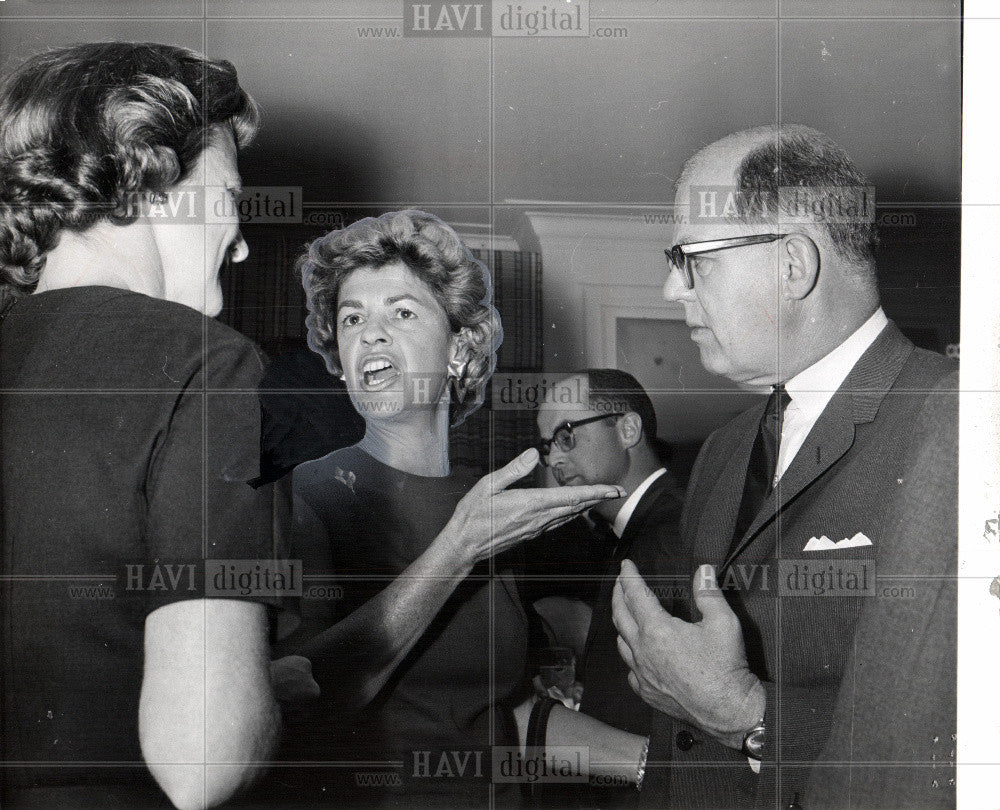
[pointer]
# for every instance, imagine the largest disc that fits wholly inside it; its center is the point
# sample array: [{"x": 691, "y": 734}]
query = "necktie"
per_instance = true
[{"x": 763, "y": 462}]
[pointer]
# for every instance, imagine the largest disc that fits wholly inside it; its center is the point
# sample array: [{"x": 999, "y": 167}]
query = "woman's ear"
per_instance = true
[{"x": 800, "y": 260}]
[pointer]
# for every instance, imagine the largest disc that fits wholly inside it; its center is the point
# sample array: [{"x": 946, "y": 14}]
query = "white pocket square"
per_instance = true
[{"x": 824, "y": 543}]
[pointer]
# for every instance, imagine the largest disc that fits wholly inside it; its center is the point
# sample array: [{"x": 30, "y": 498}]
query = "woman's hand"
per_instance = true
[
  {"x": 292, "y": 680},
  {"x": 489, "y": 519}
]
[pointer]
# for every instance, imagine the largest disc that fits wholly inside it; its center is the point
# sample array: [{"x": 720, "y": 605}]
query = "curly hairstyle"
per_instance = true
[
  {"x": 85, "y": 129},
  {"x": 434, "y": 253}
]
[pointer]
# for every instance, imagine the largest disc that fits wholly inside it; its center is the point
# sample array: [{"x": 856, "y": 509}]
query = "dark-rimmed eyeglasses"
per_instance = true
[
  {"x": 563, "y": 436},
  {"x": 679, "y": 256}
]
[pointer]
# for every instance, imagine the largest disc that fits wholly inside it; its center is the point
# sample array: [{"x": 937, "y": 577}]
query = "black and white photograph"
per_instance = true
[{"x": 552, "y": 404}]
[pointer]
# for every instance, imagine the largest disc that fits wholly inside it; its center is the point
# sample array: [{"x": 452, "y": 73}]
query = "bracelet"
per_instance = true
[
  {"x": 640, "y": 772},
  {"x": 537, "y": 723},
  {"x": 534, "y": 747}
]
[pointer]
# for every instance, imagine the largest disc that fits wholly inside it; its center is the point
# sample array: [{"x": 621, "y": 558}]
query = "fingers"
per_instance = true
[
  {"x": 622, "y": 617},
  {"x": 555, "y": 524},
  {"x": 626, "y": 653},
  {"x": 708, "y": 596},
  {"x": 633, "y": 681},
  {"x": 641, "y": 601},
  {"x": 575, "y": 499},
  {"x": 512, "y": 472},
  {"x": 298, "y": 662}
]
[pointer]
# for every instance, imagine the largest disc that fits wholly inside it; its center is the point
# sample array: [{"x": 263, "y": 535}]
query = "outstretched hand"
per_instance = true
[
  {"x": 491, "y": 519},
  {"x": 696, "y": 672}
]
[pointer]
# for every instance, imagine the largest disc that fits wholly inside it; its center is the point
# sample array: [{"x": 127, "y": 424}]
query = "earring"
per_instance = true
[
  {"x": 343, "y": 377},
  {"x": 456, "y": 374}
]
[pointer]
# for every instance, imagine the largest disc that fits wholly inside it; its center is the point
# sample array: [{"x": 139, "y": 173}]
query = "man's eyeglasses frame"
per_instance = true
[
  {"x": 678, "y": 255},
  {"x": 567, "y": 428}
]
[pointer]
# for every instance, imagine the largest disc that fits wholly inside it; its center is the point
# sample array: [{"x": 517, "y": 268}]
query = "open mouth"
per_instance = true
[{"x": 378, "y": 374}]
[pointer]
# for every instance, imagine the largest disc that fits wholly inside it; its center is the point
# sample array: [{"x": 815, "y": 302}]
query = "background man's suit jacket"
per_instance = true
[
  {"x": 843, "y": 481},
  {"x": 897, "y": 700},
  {"x": 652, "y": 541}
]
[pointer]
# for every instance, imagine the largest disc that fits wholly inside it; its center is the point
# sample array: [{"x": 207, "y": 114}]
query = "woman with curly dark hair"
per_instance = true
[
  {"x": 415, "y": 619},
  {"x": 130, "y": 428}
]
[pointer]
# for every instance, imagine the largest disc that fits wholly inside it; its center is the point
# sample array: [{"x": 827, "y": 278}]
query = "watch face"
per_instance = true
[{"x": 753, "y": 743}]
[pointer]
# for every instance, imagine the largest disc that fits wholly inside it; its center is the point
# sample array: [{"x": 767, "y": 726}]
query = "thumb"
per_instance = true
[
  {"x": 514, "y": 471},
  {"x": 642, "y": 602},
  {"x": 708, "y": 596}
]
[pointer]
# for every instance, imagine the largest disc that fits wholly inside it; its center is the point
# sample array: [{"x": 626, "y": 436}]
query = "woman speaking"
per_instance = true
[{"x": 424, "y": 637}]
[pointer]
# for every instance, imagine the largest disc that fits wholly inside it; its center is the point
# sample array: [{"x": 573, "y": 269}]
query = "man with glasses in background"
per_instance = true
[
  {"x": 790, "y": 505},
  {"x": 600, "y": 426}
]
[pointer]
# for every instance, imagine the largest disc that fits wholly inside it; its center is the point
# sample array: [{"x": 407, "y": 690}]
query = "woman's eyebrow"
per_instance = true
[{"x": 395, "y": 299}]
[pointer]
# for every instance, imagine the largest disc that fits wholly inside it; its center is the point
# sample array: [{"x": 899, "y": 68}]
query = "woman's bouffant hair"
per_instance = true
[
  {"x": 434, "y": 254},
  {"x": 86, "y": 129}
]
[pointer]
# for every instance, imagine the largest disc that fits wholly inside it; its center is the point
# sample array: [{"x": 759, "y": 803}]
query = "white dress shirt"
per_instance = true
[
  {"x": 812, "y": 389},
  {"x": 625, "y": 513}
]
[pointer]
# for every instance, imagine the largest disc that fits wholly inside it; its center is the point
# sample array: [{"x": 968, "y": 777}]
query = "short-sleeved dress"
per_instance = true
[
  {"x": 130, "y": 428},
  {"x": 359, "y": 524}
]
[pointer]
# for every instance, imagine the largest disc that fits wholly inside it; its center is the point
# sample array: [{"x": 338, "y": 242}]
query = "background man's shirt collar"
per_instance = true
[{"x": 625, "y": 513}]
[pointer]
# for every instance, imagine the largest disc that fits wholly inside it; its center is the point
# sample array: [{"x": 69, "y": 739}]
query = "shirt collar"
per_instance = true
[
  {"x": 812, "y": 389},
  {"x": 625, "y": 513}
]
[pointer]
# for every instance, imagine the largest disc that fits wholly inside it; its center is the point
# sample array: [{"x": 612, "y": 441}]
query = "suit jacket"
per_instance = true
[
  {"x": 907, "y": 636},
  {"x": 798, "y": 609},
  {"x": 652, "y": 541}
]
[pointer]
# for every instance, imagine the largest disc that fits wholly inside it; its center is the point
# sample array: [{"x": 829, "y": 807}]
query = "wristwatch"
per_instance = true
[{"x": 753, "y": 741}]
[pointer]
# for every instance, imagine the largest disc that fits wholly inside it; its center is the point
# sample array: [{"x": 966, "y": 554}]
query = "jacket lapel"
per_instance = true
[
  {"x": 856, "y": 402},
  {"x": 661, "y": 486},
  {"x": 722, "y": 504}
]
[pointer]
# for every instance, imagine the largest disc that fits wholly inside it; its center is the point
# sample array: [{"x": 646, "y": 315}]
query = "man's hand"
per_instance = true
[{"x": 695, "y": 672}]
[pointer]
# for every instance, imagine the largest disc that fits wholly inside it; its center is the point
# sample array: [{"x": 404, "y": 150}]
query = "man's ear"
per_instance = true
[
  {"x": 799, "y": 265},
  {"x": 630, "y": 429}
]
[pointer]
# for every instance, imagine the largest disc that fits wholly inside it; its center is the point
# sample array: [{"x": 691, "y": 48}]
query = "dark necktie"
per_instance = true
[{"x": 763, "y": 462}]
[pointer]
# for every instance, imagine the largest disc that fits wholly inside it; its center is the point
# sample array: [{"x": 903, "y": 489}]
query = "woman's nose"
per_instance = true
[{"x": 375, "y": 332}]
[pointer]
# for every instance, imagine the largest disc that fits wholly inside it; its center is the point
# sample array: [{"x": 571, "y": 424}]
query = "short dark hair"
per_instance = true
[
  {"x": 434, "y": 254},
  {"x": 620, "y": 392},
  {"x": 85, "y": 128},
  {"x": 803, "y": 158}
]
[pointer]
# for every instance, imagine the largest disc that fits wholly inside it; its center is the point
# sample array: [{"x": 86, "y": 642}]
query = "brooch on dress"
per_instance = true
[{"x": 346, "y": 478}]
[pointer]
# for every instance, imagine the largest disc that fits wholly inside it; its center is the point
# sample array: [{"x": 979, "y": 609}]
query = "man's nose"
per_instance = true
[
  {"x": 674, "y": 288},
  {"x": 556, "y": 456}
]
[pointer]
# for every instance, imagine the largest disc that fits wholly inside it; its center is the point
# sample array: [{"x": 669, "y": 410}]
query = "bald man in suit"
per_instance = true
[{"x": 789, "y": 505}]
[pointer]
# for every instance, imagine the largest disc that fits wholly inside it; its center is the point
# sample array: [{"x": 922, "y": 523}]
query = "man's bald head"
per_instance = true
[
  {"x": 764, "y": 310},
  {"x": 793, "y": 173}
]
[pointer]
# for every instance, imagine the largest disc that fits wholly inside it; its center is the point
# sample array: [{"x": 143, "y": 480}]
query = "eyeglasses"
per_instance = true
[
  {"x": 563, "y": 437},
  {"x": 679, "y": 256}
]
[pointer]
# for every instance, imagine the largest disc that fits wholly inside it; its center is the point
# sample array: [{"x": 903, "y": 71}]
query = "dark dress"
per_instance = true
[
  {"x": 129, "y": 428},
  {"x": 359, "y": 524}
]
